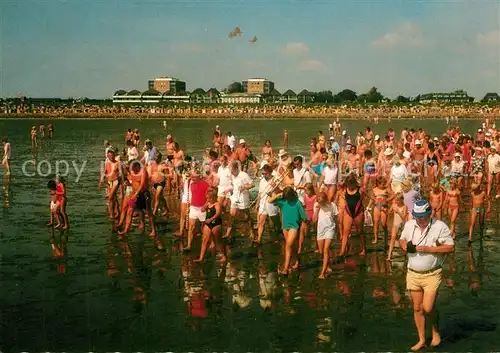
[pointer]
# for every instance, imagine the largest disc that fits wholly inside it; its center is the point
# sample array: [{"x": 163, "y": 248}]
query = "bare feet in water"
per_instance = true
[{"x": 418, "y": 346}]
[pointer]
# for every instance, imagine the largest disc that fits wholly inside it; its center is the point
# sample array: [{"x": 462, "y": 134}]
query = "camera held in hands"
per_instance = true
[{"x": 411, "y": 248}]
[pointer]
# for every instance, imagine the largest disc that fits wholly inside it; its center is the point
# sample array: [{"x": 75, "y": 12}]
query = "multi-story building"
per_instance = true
[
  {"x": 453, "y": 97},
  {"x": 258, "y": 86},
  {"x": 240, "y": 98},
  {"x": 167, "y": 84}
]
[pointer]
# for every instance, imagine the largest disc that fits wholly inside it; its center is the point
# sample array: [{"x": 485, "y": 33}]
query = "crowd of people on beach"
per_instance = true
[
  {"x": 399, "y": 185},
  {"x": 380, "y": 110}
]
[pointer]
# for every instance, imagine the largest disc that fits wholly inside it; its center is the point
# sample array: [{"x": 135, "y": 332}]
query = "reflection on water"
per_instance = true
[
  {"x": 7, "y": 192},
  {"x": 124, "y": 295}
]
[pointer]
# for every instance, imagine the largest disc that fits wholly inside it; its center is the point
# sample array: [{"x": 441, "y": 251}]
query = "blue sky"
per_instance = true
[{"x": 90, "y": 48}]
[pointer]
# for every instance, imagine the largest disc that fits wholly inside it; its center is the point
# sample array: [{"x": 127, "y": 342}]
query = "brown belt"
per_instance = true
[{"x": 425, "y": 272}]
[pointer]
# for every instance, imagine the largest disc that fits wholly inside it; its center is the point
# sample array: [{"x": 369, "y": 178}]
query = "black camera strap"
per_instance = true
[{"x": 425, "y": 234}]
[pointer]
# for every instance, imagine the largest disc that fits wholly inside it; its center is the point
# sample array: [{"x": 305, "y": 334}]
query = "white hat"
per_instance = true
[
  {"x": 242, "y": 141},
  {"x": 388, "y": 151},
  {"x": 418, "y": 142},
  {"x": 479, "y": 130},
  {"x": 216, "y": 126},
  {"x": 436, "y": 139},
  {"x": 282, "y": 153},
  {"x": 344, "y": 132},
  {"x": 488, "y": 134},
  {"x": 332, "y": 138},
  {"x": 457, "y": 154},
  {"x": 263, "y": 163},
  {"x": 492, "y": 147},
  {"x": 377, "y": 137}
]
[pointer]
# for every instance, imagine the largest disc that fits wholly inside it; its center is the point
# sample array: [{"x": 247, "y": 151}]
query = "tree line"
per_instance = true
[{"x": 350, "y": 96}]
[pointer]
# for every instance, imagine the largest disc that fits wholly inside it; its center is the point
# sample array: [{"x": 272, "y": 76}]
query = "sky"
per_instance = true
[{"x": 91, "y": 48}]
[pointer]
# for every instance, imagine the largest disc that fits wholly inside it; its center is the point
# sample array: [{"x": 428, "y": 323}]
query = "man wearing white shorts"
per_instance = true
[
  {"x": 197, "y": 196},
  {"x": 240, "y": 198},
  {"x": 265, "y": 208}
]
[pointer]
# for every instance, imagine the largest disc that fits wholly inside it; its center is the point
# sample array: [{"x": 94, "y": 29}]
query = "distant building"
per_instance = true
[
  {"x": 240, "y": 98},
  {"x": 167, "y": 84},
  {"x": 491, "y": 97},
  {"x": 453, "y": 97},
  {"x": 258, "y": 86},
  {"x": 151, "y": 96}
]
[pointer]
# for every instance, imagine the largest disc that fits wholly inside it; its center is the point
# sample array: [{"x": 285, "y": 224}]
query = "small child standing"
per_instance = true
[
  {"x": 55, "y": 205},
  {"x": 400, "y": 211},
  {"x": 478, "y": 196},
  {"x": 309, "y": 200},
  {"x": 61, "y": 197},
  {"x": 325, "y": 215}
]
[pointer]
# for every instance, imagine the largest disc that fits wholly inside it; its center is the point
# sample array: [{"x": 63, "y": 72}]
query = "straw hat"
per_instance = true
[
  {"x": 474, "y": 186},
  {"x": 388, "y": 151},
  {"x": 282, "y": 153},
  {"x": 407, "y": 183}
]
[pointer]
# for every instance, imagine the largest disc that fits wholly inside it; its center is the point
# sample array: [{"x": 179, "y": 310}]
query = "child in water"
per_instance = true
[
  {"x": 55, "y": 205},
  {"x": 293, "y": 215},
  {"x": 61, "y": 196},
  {"x": 309, "y": 200},
  {"x": 400, "y": 212},
  {"x": 325, "y": 216},
  {"x": 212, "y": 226},
  {"x": 478, "y": 197}
]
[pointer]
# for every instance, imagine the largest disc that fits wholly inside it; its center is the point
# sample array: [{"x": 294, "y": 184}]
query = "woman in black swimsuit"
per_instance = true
[
  {"x": 212, "y": 226},
  {"x": 353, "y": 213},
  {"x": 432, "y": 163}
]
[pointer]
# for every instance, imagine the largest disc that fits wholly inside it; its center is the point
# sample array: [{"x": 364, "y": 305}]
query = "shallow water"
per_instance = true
[{"x": 105, "y": 294}]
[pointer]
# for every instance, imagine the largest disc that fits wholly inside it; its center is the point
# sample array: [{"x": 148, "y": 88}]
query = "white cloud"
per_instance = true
[
  {"x": 187, "y": 47},
  {"x": 407, "y": 34},
  {"x": 311, "y": 65},
  {"x": 295, "y": 48},
  {"x": 489, "y": 39}
]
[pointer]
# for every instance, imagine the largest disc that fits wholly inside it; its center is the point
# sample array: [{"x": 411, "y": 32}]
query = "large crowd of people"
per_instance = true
[
  {"x": 374, "y": 111},
  {"x": 402, "y": 186}
]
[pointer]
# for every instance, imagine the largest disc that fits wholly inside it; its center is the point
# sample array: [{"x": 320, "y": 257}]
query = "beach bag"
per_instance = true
[{"x": 368, "y": 219}]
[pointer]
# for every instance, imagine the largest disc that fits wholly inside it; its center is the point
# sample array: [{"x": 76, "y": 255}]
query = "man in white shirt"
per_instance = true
[
  {"x": 426, "y": 241},
  {"x": 240, "y": 198},
  {"x": 265, "y": 208},
  {"x": 301, "y": 177},
  {"x": 493, "y": 165},
  {"x": 231, "y": 140},
  {"x": 6, "y": 155}
]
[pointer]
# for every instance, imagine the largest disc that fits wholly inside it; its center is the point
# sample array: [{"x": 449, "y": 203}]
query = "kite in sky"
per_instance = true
[
  {"x": 236, "y": 32},
  {"x": 253, "y": 40}
]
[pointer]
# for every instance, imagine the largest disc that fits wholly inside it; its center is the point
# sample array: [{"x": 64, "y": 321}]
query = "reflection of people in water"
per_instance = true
[
  {"x": 58, "y": 244},
  {"x": 267, "y": 285},
  {"x": 6, "y": 155},
  {"x": 7, "y": 194},
  {"x": 474, "y": 275},
  {"x": 236, "y": 279},
  {"x": 196, "y": 292}
]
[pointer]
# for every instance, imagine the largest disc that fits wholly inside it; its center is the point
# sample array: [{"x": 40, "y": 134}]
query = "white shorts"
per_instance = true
[
  {"x": 239, "y": 202},
  {"x": 268, "y": 209},
  {"x": 221, "y": 192},
  {"x": 197, "y": 213}
]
